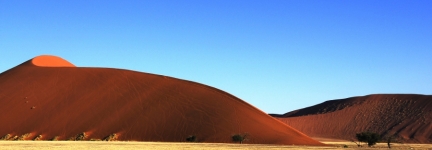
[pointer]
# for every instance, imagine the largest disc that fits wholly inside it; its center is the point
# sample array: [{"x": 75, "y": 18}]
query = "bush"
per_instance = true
[
  {"x": 239, "y": 138},
  {"x": 55, "y": 138},
  {"x": 191, "y": 138},
  {"x": 368, "y": 137},
  {"x": 80, "y": 137},
  {"x": 111, "y": 137},
  {"x": 23, "y": 137},
  {"x": 39, "y": 137},
  {"x": 15, "y": 138},
  {"x": 6, "y": 137}
]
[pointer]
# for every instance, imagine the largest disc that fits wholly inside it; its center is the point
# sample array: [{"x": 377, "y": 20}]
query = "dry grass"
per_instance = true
[{"x": 103, "y": 145}]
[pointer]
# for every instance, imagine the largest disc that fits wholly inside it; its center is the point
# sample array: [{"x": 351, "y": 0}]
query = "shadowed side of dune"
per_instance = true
[
  {"x": 66, "y": 101},
  {"x": 407, "y": 117}
]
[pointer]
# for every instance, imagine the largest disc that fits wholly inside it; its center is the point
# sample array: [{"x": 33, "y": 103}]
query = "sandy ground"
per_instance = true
[
  {"x": 352, "y": 145},
  {"x": 100, "y": 145}
]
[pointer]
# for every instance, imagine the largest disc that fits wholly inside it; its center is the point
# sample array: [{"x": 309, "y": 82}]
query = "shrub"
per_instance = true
[
  {"x": 191, "y": 138},
  {"x": 23, "y": 137},
  {"x": 239, "y": 138},
  {"x": 80, "y": 136},
  {"x": 368, "y": 137},
  {"x": 6, "y": 137},
  {"x": 39, "y": 137},
  {"x": 15, "y": 138},
  {"x": 111, "y": 137},
  {"x": 55, "y": 138}
]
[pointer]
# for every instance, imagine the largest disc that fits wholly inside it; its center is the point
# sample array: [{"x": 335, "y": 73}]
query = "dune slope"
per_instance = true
[
  {"x": 407, "y": 117},
  {"x": 66, "y": 101}
]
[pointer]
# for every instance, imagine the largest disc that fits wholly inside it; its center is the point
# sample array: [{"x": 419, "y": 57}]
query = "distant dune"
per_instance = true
[
  {"x": 406, "y": 116},
  {"x": 49, "y": 96}
]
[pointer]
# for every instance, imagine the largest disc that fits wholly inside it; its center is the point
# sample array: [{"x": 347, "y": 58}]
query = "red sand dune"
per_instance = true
[
  {"x": 407, "y": 116},
  {"x": 65, "y": 101}
]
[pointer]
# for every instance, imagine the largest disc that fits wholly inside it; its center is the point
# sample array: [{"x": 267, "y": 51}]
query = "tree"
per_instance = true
[
  {"x": 239, "y": 138},
  {"x": 368, "y": 137},
  {"x": 391, "y": 139}
]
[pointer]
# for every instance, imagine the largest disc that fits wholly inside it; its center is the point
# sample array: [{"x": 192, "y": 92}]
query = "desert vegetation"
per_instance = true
[
  {"x": 39, "y": 137},
  {"x": 55, "y": 138},
  {"x": 240, "y": 137},
  {"x": 5, "y": 137},
  {"x": 391, "y": 139},
  {"x": 111, "y": 137},
  {"x": 16, "y": 137},
  {"x": 23, "y": 137},
  {"x": 79, "y": 137},
  {"x": 192, "y": 138},
  {"x": 371, "y": 138}
]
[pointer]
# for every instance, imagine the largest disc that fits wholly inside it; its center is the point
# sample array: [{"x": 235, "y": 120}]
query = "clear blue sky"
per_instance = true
[{"x": 278, "y": 55}]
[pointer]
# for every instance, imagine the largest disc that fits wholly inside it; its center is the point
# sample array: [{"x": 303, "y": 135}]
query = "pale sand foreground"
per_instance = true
[
  {"x": 100, "y": 145},
  {"x": 399, "y": 146}
]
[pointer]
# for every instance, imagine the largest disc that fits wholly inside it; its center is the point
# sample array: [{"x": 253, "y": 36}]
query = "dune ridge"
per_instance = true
[
  {"x": 64, "y": 102},
  {"x": 50, "y": 61},
  {"x": 408, "y": 117}
]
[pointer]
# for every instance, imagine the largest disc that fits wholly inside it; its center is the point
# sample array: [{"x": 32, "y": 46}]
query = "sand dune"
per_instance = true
[
  {"x": 48, "y": 96},
  {"x": 407, "y": 116}
]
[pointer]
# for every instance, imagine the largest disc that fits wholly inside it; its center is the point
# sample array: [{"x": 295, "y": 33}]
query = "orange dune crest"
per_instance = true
[
  {"x": 50, "y": 61},
  {"x": 64, "y": 102}
]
